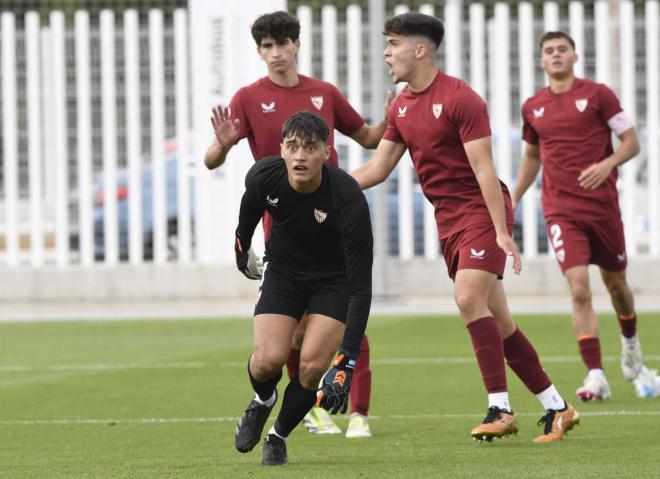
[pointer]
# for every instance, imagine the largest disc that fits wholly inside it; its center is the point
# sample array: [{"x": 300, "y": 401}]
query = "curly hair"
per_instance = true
[{"x": 277, "y": 25}]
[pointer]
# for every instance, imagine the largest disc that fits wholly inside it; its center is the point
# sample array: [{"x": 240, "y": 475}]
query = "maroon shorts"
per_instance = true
[
  {"x": 581, "y": 243},
  {"x": 475, "y": 247}
]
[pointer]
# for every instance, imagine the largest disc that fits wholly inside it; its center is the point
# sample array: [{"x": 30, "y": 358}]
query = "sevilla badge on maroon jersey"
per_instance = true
[
  {"x": 437, "y": 110},
  {"x": 581, "y": 105},
  {"x": 320, "y": 215},
  {"x": 317, "y": 101}
]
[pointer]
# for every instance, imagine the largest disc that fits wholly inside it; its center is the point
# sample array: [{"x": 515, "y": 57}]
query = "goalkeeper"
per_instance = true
[{"x": 318, "y": 259}]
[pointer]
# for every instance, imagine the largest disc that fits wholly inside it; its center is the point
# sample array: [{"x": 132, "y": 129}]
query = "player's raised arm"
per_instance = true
[
  {"x": 368, "y": 136},
  {"x": 529, "y": 168},
  {"x": 227, "y": 133},
  {"x": 479, "y": 154},
  {"x": 378, "y": 168}
]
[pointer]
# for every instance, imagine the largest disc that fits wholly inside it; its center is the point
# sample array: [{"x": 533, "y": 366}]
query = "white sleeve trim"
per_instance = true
[{"x": 620, "y": 122}]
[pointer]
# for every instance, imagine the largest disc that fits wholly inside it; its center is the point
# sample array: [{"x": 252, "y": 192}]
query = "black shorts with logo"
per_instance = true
[{"x": 284, "y": 292}]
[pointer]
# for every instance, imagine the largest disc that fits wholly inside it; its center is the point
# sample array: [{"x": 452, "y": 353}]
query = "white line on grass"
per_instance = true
[
  {"x": 200, "y": 365},
  {"x": 173, "y": 420}
]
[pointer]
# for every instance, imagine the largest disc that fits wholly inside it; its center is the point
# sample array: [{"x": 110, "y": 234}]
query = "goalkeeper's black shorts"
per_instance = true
[{"x": 291, "y": 294}]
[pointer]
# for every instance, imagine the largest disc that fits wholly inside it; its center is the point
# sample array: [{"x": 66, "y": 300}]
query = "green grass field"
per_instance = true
[{"x": 134, "y": 399}]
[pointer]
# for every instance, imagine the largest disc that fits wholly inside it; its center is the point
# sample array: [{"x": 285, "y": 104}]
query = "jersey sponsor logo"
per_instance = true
[
  {"x": 538, "y": 113},
  {"x": 268, "y": 108},
  {"x": 621, "y": 257},
  {"x": 561, "y": 255},
  {"x": 402, "y": 111},
  {"x": 272, "y": 201},
  {"x": 581, "y": 105},
  {"x": 317, "y": 101},
  {"x": 437, "y": 110},
  {"x": 474, "y": 254},
  {"x": 320, "y": 215}
]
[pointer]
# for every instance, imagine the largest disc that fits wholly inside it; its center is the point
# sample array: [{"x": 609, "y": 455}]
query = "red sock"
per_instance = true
[
  {"x": 628, "y": 325},
  {"x": 590, "y": 351},
  {"x": 524, "y": 361},
  {"x": 487, "y": 345},
  {"x": 293, "y": 362},
  {"x": 360, "y": 392}
]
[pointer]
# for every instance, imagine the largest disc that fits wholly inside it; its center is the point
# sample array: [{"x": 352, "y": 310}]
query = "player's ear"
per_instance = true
[
  {"x": 326, "y": 149},
  {"x": 282, "y": 149}
]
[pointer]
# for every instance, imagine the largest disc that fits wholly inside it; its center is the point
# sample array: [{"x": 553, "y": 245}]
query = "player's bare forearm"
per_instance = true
[
  {"x": 215, "y": 155},
  {"x": 529, "y": 168},
  {"x": 491, "y": 190},
  {"x": 368, "y": 136},
  {"x": 379, "y": 167},
  {"x": 596, "y": 174}
]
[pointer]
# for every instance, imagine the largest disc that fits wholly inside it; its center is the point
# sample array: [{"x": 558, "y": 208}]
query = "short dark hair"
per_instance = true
[
  {"x": 413, "y": 23},
  {"x": 553, "y": 35},
  {"x": 307, "y": 126},
  {"x": 277, "y": 25}
]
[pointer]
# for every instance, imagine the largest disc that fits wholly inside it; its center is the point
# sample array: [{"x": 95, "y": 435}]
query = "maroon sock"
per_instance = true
[
  {"x": 590, "y": 352},
  {"x": 487, "y": 345},
  {"x": 628, "y": 325},
  {"x": 524, "y": 361},
  {"x": 293, "y": 362},
  {"x": 361, "y": 385}
]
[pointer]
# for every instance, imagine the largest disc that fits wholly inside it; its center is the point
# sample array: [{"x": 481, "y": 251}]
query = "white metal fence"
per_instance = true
[{"x": 79, "y": 139}]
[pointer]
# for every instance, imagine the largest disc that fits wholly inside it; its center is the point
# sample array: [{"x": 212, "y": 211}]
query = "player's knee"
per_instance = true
[
  {"x": 617, "y": 288},
  {"x": 581, "y": 295},
  {"x": 265, "y": 364},
  {"x": 311, "y": 372},
  {"x": 469, "y": 304}
]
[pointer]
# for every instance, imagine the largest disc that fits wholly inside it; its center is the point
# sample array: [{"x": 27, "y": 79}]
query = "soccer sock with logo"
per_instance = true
[
  {"x": 487, "y": 345},
  {"x": 264, "y": 389},
  {"x": 293, "y": 362},
  {"x": 524, "y": 361},
  {"x": 360, "y": 393},
  {"x": 628, "y": 325},
  {"x": 296, "y": 403},
  {"x": 590, "y": 352}
]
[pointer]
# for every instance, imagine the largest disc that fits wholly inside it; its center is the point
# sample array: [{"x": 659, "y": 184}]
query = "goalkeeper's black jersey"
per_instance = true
[{"x": 326, "y": 231}]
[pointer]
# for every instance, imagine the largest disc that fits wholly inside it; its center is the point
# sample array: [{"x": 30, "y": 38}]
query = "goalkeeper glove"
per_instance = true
[
  {"x": 247, "y": 261},
  {"x": 335, "y": 385}
]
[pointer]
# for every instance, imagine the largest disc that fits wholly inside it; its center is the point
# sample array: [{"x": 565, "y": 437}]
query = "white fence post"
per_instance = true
[
  {"x": 304, "y": 14},
  {"x": 133, "y": 135},
  {"x": 329, "y": 43},
  {"x": 354, "y": 70},
  {"x": 576, "y": 31},
  {"x": 10, "y": 133},
  {"x": 628, "y": 102},
  {"x": 602, "y": 27},
  {"x": 84, "y": 139},
  {"x": 653, "y": 123},
  {"x": 109, "y": 115},
  {"x": 501, "y": 92},
  {"x": 526, "y": 56},
  {"x": 35, "y": 170},
  {"x": 478, "y": 49},
  {"x": 182, "y": 128},
  {"x": 550, "y": 16},
  {"x": 159, "y": 181},
  {"x": 60, "y": 153}
]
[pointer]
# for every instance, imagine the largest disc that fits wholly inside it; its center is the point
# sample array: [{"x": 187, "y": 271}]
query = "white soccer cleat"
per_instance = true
[
  {"x": 358, "y": 426},
  {"x": 647, "y": 383},
  {"x": 594, "y": 388},
  {"x": 318, "y": 421},
  {"x": 631, "y": 357}
]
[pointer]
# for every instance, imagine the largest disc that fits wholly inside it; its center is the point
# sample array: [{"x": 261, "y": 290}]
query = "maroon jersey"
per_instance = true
[
  {"x": 571, "y": 129},
  {"x": 434, "y": 124},
  {"x": 264, "y": 106}
]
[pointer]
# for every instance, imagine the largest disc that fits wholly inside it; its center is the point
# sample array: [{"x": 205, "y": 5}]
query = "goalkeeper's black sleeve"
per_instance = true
[{"x": 250, "y": 212}]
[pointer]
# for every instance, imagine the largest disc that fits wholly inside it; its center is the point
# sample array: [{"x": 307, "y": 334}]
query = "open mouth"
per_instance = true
[{"x": 300, "y": 168}]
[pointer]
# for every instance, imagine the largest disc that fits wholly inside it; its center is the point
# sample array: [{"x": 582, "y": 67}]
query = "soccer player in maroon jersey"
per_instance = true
[
  {"x": 567, "y": 127},
  {"x": 445, "y": 127},
  {"x": 257, "y": 112}
]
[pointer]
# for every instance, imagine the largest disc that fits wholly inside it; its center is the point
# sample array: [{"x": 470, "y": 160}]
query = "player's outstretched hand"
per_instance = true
[
  {"x": 247, "y": 261},
  {"x": 335, "y": 385},
  {"x": 505, "y": 242},
  {"x": 227, "y": 131}
]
